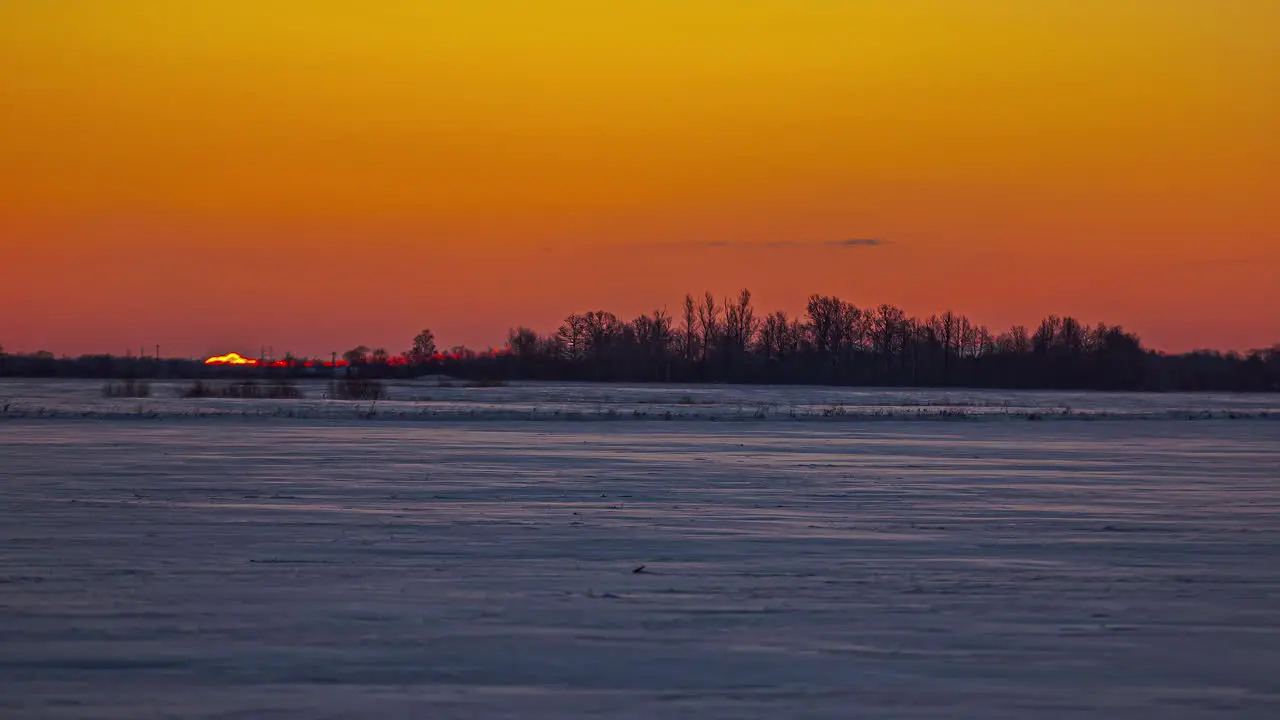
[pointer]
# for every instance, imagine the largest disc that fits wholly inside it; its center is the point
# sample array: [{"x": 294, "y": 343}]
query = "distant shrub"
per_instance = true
[
  {"x": 357, "y": 389},
  {"x": 127, "y": 389},
  {"x": 199, "y": 389},
  {"x": 242, "y": 391},
  {"x": 248, "y": 390},
  {"x": 283, "y": 390}
]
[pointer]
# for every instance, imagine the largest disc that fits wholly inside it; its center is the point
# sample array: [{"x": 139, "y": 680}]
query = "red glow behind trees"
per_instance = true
[{"x": 423, "y": 353}]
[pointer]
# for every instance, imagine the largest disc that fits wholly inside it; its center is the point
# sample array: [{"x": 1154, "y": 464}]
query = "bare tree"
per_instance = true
[
  {"x": 709, "y": 322},
  {"x": 739, "y": 326},
  {"x": 1071, "y": 336},
  {"x": 653, "y": 339},
  {"x": 424, "y": 348},
  {"x": 1015, "y": 342},
  {"x": 887, "y": 330},
  {"x": 689, "y": 329},
  {"x": 572, "y": 337},
  {"x": 824, "y": 323},
  {"x": 1046, "y": 337},
  {"x": 773, "y": 336},
  {"x": 523, "y": 343},
  {"x": 851, "y": 334},
  {"x": 359, "y": 355},
  {"x": 601, "y": 328}
]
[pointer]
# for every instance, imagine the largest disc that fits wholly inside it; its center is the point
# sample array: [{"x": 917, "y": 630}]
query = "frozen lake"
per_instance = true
[{"x": 463, "y": 552}]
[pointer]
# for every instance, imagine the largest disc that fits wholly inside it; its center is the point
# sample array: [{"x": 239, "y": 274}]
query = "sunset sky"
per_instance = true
[{"x": 215, "y": 176}]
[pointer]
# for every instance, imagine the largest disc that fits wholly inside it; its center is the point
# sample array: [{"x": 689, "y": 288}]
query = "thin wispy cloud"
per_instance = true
[
  {"x": 773, "y": 244},
  {"x": 855, "y": 243}
]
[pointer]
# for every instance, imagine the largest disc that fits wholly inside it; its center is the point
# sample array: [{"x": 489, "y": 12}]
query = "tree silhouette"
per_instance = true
[
  {"x": 689, "y": 330},
  {"x": 423, "y": 349},
  {"x": 709, "y": 326},
  {"x": 358, "y": 355},
  {"x": 834, "y": 342}
]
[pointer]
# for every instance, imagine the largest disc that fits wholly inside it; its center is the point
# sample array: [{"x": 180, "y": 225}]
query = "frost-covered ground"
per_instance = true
[
  {"x": 427, "y": 400},
  {"x": 348, "y": 563}
]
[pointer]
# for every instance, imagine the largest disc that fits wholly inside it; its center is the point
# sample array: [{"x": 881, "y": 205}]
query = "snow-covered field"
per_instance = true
[
  {"x": 436, "y": 400},
  {"x": 233, "y": 559}
]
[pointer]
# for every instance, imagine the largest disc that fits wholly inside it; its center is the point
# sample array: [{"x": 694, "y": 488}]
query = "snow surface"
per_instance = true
[
  {"x": 348, "y": 563},
  {"x": 428, "y": 400}
]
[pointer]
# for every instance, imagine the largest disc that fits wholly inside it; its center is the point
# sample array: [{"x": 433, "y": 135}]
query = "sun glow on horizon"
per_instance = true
[{"x": 231, "y": 358}]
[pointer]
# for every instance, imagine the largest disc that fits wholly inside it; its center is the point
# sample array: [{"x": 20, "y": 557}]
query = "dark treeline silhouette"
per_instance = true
[
  {"x": 838, "y": 343},
  {"x": 834, "y": 343}
]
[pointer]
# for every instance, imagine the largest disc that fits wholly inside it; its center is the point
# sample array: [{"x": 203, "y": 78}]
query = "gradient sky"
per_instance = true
[{"x": 216, "y": 176}]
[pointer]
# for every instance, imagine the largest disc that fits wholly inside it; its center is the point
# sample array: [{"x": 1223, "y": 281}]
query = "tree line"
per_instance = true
[{"x": 834, "y": 342}]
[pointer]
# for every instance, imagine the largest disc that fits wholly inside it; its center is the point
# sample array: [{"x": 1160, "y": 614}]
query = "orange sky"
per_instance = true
[{"x": 214, "y": 176}]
